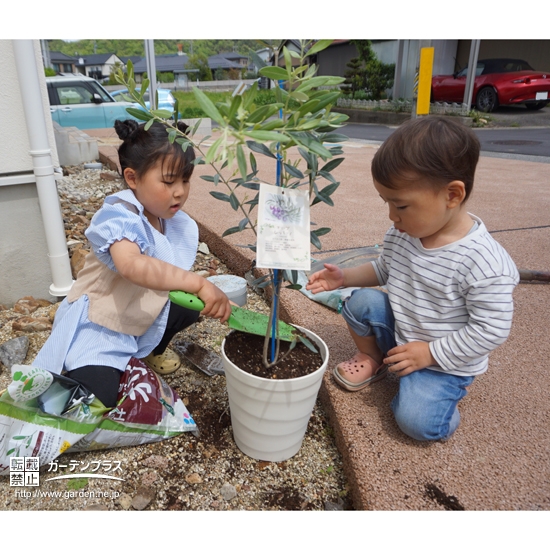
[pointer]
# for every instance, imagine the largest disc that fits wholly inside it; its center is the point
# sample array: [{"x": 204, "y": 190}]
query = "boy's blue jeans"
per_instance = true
[{"x": 425, "y": 406}]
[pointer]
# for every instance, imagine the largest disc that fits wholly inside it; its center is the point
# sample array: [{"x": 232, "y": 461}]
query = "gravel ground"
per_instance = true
[{"x": 186, "y": 472}]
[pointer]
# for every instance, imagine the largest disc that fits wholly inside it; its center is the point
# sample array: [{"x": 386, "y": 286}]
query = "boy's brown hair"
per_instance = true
[{"x": 434, "y": 148}]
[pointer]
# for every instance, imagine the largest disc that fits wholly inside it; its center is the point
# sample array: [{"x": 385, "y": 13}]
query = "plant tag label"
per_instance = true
[{"x": 283, "y": 240}]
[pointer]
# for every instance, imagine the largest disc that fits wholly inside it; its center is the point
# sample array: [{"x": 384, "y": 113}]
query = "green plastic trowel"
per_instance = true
[{"x": 240, "y": 319}]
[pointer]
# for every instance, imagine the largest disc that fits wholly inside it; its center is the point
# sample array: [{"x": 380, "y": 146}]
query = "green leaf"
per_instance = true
[
  {"x": 311, "y": 124},
  {"x": 324, "y": 195},
  {"x": 253, "y": 163},
  {"x": 264, "y": 112},
  {"x": 148, "y": 124},
  {"x": 208, "y": 178},
  {"x": 314, "y": 82},
  {"x": 322, "y": 231},
  {"x": 257, "y": 60},
  {"x": 138, "y": 113},
  {"x": 293, "y": 171},
  {"x": 243, "y": 223},
  {"x": 253, "y": 202},
  {"x": 325, "y": 100},
  {"x": 234, "y": 201},
  {"x": 162, "y": 113},
  {"x": 332, "y": 164},
  {"x": 249, "y": 96},
  {"x": 231, "y": 230},
  {"x": 241, "y": 161},
  {"x": 207, "y": 106},
  {"x": 314, "y": 239},
  {"x": 299, "y": 96},
  {"x": 319, "y": 46},
  {"x": 262, "y": 135},
  {"x": 272, "y": 124},
  {"x": 291, "y": 275},
  {"x": 327, "y": 175},
  {"x": 235, "y": 104},
  {"x": 334, "y": 138},
  {"x": 288, "y": 59},
  {"x": 172, "y": 134},
  {"x": 293, "y": 287},
  {"x": 144, "y": 87},
  {"x": 211, "y": 155},
  {"x": 196, "y": 127},
  {"x": 253, "y": 186},
  {"x": 220, "y": 196},
  {"x": 308, "y": 344},
  {"x": 274, "y": 73},
  {"x": 308, "y": 107},
  {"x": 260, "y": 148}
]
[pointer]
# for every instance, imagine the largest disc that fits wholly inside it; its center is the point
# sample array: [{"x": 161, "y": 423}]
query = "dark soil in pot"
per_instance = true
[{"x": 246, "y": 350}]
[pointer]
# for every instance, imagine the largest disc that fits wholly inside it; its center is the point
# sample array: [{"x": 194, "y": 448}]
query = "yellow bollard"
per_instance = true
[{"x": 425, "y": 81}]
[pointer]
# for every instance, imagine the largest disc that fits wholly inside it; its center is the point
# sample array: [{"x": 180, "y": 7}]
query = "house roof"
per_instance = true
[
  {"x": 232, "y": 55},
  {"x": 133, "y": 58},
  {"x": 58, "y": 56},
  {"x": 94, "y": 59},
  {"x": 163, "y": 63},
  {"x": 220, "y": 61}
]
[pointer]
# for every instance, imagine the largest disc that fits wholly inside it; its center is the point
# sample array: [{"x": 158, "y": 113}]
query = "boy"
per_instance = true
[{"x": 449, "y": 283}]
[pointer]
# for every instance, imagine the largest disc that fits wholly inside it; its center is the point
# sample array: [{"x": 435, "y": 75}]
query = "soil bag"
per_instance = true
[{"x": 44, "y": 415}]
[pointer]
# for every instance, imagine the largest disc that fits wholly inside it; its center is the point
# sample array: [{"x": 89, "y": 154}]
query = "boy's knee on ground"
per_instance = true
[
  {"x": 420, "y": 425},
  {"x": 425, "y": 408}
]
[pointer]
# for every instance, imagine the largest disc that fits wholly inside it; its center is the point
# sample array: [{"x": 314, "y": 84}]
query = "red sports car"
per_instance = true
[{"x": 497, "y": 82}]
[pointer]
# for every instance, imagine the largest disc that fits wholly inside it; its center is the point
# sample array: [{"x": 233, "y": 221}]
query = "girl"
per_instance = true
[{"x": 143, "y": 246}]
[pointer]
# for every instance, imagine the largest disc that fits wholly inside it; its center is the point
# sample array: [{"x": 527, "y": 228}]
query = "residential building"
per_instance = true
[
  {"x": 98, "y": 66},
  {"x": 33, "y": 246}
]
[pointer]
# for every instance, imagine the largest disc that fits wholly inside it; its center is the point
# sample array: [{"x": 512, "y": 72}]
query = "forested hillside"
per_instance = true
[{"x": 136, "y": 47}]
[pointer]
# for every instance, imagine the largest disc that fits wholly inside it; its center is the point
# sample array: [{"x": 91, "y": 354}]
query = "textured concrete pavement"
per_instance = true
[{"x": 499, "y": 459}]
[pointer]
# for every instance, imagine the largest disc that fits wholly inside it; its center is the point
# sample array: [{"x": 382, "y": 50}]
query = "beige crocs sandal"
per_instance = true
[
  {"x": 165, "y": 363},
  {"x": 351, "y": 374}
]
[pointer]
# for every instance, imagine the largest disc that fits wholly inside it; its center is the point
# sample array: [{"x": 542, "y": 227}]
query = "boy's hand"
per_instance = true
[
  {"x": 216, "y": 302},
  {"x": 330, "y": 278},
  {"x": 409, "y": 357}
]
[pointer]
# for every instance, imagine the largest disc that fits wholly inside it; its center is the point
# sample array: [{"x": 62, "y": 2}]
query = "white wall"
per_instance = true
[{"x": 24, "y": 265}]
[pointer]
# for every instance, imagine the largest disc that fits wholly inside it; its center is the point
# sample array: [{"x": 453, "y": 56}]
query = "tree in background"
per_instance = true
[
  {"x": 378, "y": 75},
  {"x": 199, "y": 61},
  {"x": 124, "y": 47},
  {"x": 355, "y": 77}
]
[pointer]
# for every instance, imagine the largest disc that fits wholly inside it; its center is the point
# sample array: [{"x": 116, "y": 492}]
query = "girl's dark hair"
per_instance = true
[
  {"x": 141, "y": 149},
  {"x": 433, "y": 148}
]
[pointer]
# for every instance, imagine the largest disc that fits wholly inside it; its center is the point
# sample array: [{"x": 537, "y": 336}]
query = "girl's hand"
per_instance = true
[
  {"x": 409, "y": 357},
  {"x": 216, "y": 302},
  {"x": 330, "y": 278}
]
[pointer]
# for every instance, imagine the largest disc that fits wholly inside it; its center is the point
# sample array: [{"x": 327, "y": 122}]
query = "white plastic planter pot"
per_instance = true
[{"x": 270, "y": 417}]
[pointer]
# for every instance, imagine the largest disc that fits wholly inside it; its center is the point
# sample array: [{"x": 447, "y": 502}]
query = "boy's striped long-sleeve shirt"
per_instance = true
[{"x": 457, "y": 297}]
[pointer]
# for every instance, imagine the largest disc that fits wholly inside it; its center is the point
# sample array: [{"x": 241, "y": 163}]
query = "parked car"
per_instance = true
[
  {"x": 80, "y": 101},
  {"x": 497, "y": 82},
  {"x": 165, "y": 98}
]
